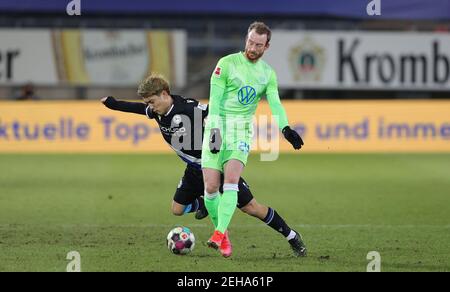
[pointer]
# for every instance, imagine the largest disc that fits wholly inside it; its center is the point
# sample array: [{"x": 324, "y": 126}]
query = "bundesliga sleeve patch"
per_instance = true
[{"x": 217, "y": 72}]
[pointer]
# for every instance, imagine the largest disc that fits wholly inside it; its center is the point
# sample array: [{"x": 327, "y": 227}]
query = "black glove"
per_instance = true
[
  {"x": 215, "y": 141},
  {"x": 293, "y": 137},
  {"x": 109, "y": 102}
]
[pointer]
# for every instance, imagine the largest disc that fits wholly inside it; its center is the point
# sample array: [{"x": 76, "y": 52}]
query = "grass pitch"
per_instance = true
[{"x": 115, "y": 211}]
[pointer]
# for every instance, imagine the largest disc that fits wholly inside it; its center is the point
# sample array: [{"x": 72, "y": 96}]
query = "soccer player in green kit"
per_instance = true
[{"x": 237, "y": 84}]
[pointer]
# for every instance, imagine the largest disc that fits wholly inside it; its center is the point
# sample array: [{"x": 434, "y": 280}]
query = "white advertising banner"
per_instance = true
[
  {"x": 27, "y": 55},
  {"x": 119, "y": 57},
  {"x": 91, "y": 57},
  {"x": 360, "y": 60}
]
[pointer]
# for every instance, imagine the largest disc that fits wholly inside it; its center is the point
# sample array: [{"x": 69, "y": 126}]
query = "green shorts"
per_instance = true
[{"x": 234, "y": 146}]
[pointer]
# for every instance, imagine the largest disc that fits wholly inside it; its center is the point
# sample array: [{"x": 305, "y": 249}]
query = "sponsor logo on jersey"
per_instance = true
[
  {"x": 178, "y": 132},
  {"x": 217, "y": 72},
  {"x": 246, "y": 95},
  {"x": 176, "y": 119}
]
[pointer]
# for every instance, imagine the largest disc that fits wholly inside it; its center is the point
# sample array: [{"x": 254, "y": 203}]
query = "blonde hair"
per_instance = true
[{"x": 153, "y": 85}]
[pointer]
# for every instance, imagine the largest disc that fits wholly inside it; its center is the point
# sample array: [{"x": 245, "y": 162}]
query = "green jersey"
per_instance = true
[{"x": 237, "y": 85}]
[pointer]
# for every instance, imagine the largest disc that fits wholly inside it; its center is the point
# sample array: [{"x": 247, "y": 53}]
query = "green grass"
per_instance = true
[{"x": 115, "y": 211}]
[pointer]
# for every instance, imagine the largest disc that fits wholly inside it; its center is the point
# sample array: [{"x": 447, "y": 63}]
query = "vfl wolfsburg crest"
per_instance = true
[
  {"x": 246, "y": 95},
  {"x": 307, "y": 61}
]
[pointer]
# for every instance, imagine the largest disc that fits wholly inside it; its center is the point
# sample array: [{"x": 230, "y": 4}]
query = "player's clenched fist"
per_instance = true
[
  {"x": 108, "y": 100},
  {"x": 293, "y": 137}
]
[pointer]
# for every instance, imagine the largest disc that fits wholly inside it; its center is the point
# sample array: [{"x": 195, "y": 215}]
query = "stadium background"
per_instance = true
[{"x": 370, "y": 95}]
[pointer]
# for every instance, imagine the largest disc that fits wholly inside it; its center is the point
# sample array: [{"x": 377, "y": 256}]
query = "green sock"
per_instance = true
[
  {"x": 212, "y": 202},
  {"x": 226, "y": 209}
]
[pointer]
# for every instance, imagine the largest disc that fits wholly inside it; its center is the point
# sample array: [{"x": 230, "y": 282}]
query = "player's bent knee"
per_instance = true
[
  {"x": 212, "y": 187},
  {"x": 177, "y": 209},
  {"x": 177, "y": 212},
  {"x": 232, "y": 180},
  {"x": 250, "y": 208},
  {"x": 212, "y": 190},
  {"x": 212, "y": 180}
]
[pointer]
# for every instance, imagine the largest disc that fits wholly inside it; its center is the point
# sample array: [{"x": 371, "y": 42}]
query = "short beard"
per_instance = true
[{"x": 253, "y": 59}]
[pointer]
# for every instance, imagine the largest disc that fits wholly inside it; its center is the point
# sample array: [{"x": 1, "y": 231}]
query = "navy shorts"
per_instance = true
[{"x": 191, "y": 187}]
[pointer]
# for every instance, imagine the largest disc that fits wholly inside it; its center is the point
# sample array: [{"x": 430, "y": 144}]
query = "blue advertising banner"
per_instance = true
[{"x": 388, "y": 9}]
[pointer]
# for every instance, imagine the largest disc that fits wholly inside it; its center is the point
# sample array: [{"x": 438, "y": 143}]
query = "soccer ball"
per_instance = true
[{"x": 180, "y": 240}]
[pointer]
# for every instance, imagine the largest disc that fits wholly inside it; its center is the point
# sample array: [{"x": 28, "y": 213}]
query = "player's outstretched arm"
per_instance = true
[{"x": 124, "y": 106}]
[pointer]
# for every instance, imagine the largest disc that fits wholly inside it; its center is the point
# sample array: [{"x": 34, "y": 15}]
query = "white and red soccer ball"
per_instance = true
[{"x": 180, "y": 240}]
